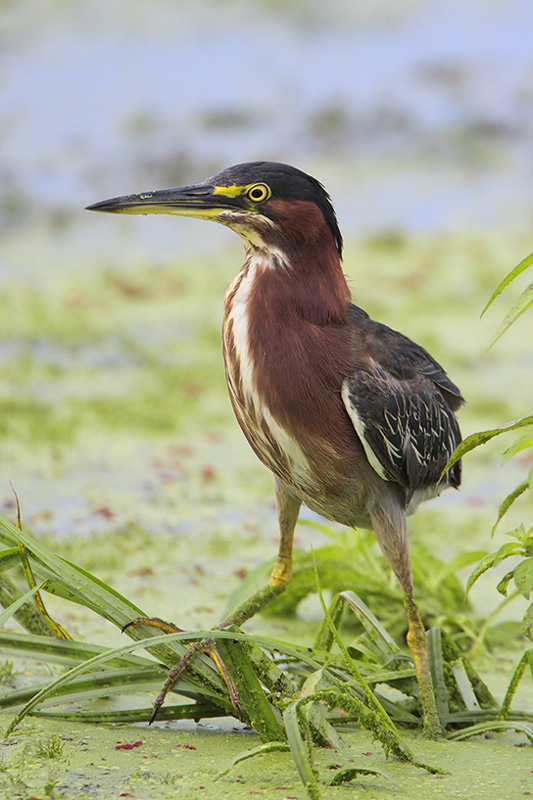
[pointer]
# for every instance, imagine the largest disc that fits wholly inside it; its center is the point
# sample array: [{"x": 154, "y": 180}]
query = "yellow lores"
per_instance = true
[
  {"x": 256, "y": 192},
  {"x": 229, "y": 191}
]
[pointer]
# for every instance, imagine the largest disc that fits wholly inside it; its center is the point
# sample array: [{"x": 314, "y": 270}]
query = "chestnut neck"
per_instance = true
[{"x": 303, "y": 277}]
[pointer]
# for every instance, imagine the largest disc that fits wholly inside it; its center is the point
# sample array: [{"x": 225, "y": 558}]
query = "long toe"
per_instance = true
[{"x": 153, "y": 622}]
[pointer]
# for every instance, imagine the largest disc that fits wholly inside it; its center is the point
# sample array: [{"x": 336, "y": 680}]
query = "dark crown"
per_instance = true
[{"x": 286, "y": 183}]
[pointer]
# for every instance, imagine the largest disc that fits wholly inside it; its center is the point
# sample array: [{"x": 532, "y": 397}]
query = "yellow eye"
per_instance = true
[{"x": 258, "y": 192}]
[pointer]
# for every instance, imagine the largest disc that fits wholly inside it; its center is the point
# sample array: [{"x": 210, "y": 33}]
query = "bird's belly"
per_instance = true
[
  {"x": 339, "y": 494},
  {"x": 272, "y": 444},
  {"x": 305, "y": 439}
]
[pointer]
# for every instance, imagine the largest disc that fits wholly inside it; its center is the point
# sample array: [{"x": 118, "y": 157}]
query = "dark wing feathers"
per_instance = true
[
  {"x": 402, "y": 405},
  {"x": 404, "y": 359}
]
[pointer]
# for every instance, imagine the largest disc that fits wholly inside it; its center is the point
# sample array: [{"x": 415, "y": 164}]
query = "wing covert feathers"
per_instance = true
[{"x": 402, "y": 404}]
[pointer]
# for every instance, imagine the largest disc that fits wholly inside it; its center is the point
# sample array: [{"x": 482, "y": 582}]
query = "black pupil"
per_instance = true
[{"x": 258, "y": 193}]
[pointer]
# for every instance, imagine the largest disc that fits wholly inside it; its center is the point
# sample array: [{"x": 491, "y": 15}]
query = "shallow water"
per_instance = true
[{"x": 114, "y": 419}]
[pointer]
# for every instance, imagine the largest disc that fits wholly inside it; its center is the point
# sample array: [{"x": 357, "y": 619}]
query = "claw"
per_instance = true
[
  {"x": 206, "y": 646},
  {"x": 154, "y": 622},
  {"x": 212, "y": 652}
]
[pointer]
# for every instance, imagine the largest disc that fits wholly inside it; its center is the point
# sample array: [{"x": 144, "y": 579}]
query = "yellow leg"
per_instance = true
[
  {"x": 416, "y": 640},
  {"x": 288, "y": 508},
  {"x": 390, "y": 528}
]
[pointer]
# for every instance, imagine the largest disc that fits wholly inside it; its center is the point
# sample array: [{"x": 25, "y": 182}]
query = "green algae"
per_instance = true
[
  {"x": 171, "y": 763},
  {"x": 142, "y": 352},
  {"x": 120, "y": 403}
]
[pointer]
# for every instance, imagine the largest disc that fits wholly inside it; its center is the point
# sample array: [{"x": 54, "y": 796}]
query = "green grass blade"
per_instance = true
[
  {"x": 391, "y": 675},
  {"x": 436, "y": 667},
  {"x": 311, "y": 683},
  {"x": 62, "y": 651},
  {"x": 252, "y": 696},
  {"x": 350, "y": 666},
  {"x": 521, "y": 267},
  {"x": 181, "y": 711},
  {"x": 268, "y": 747},
  {"x": 269, "y": 673},
  {"x": 372, "y": 625},
  {"x": 524, "y": 442},
  {"x": 348, "y": 774},
  {"x": 464, "y": 686},
  {"x": 321, "y": 730},
  {"x": 9, "y": 558},
  {"x": 300, "y": 751},
  {"x": 105, "y": 682},
  {"x": 451, "y": 654},
  {"x": 27, "y": 615},
  {"x": 96, "y": 684},
  {"x": 8, "y": 612},
  {"x": 496, "y": 725},
  {"x": 509, "y": 500},
  {"x": 324, "y": 638},
  {"x": 527, "y": 623},
  {"x": 516, "y": 677},
  {"x": 522, "y": 304},
  {"x": 482, "y": 437},
  {"x": 484, "y": 715}
]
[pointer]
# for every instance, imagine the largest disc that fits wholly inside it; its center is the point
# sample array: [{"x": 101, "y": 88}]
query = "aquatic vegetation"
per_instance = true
[
  {"x": 50, "y": 748},
  {"x": 144, "y": 364},
  {"x": 289, "y": 693}
]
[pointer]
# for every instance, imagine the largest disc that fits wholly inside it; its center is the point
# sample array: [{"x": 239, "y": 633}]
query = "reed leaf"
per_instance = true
[
  {"x": 482, "y": 437},
  {"x": 521, "y": 267},
  {"x": 8, "y": 612},
  {"x": 261, "y": 750},
  {"x": 496, "y": 725}
]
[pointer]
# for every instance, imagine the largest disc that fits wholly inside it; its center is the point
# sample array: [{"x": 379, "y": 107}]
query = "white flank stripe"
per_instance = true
[
  {"x": 239, "y": 317},
  {"x": 291, "y": 448},
  {"x": 238, "y": 314},
  {"x": 359, "y": 426}
]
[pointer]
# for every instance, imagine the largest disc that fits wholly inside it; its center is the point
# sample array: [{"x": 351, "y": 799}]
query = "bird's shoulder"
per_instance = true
[
  {"x": 402, "y": 404},
  {"x": 398, "y": 356}
]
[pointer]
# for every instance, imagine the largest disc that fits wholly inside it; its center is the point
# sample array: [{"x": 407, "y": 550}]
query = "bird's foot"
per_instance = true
[
  {"x": 242, "y": 613},
  {"x": 206, "y": 645}
]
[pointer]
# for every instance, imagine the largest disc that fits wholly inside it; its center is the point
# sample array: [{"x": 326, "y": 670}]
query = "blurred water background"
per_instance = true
[
  {"x": 417, "y": 115},
  {"x": 115, "y": 426}
]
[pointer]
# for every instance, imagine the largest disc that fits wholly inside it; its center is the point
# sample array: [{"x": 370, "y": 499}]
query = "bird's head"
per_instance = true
[{"x": 267, "y": 203}]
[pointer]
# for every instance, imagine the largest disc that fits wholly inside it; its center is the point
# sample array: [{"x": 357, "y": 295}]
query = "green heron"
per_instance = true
[{"x": 354, "y": 419}]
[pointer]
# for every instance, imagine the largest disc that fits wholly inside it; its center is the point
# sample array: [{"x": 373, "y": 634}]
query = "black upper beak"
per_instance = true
[{"x": 197, "y": 200}]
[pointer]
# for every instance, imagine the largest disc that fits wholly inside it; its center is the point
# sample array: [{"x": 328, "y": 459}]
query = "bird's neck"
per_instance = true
[
  {"x": 302, "y": 280},
  {"x": 287, "y": 346}
]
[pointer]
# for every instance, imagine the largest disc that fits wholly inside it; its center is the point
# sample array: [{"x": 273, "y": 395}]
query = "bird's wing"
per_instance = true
[{"x": 402, "y": 404}]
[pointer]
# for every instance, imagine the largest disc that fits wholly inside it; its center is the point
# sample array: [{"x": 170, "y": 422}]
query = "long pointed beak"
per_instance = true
[{"x": 200, "y": 200}]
